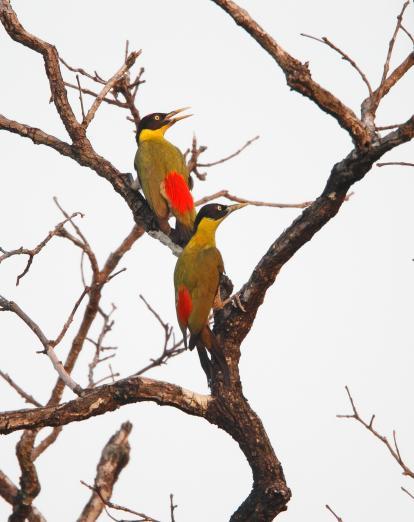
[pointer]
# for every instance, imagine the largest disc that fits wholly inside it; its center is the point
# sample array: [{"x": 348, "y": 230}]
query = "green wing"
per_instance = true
[
  {"x": 153, "y": 161},
  {"x": 200, "y": 273}
]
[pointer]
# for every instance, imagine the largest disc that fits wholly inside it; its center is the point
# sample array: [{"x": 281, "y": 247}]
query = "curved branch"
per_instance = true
[
  {"x": 236, "y": 322},
  {"x": 51, "y": 58},
  {"x": 106, "y": 398},
  {"x": 298, "y": 76}
]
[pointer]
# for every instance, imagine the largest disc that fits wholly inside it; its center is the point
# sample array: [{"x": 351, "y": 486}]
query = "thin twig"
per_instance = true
[
  {"x": 394, "y": 450},
  {"x": 408, "y": 493},
  {"x": 333, "y": 513},
  {"x": 95, "y": 78},
  {"x": 392, "y": 42},
  {"x": 48, "y": 349},
  {"x": 226, "y": 194},
  {"x": 28, "y": 398},
  {"x": 89, "y": 92},
  {"x": 33, "y": 251},
  {"x": 80, "y": 96},
  {"x": 407, "y": 33},
  {"x": 401, "y": 163},
  {"x": 70, "y": 319},
  {"x": 388, "y": 127},
  {"x": 106, "y": 328},
  {"x": 167, "y": 353},
  {"x": 107, "y": 503},
  {"x": 46, "y": 442},
  {"x": 173, "y": 507},
  {"x": 345, "y": 57},
  {"x": 129, "y": 62},
  {"x": 230, "y": 156}
]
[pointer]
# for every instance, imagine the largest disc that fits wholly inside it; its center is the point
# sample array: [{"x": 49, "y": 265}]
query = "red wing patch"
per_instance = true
[
  {"x": 184, "y": 305},
  {"x": 178, "y": 193}
]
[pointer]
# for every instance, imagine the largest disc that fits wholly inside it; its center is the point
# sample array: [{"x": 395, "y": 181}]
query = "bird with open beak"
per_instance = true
[{"x": 163, "y": 174}]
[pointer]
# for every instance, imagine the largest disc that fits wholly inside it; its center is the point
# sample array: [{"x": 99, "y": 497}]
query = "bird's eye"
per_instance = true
[
  {"x": 156, "y": 117},
  {"x": 219, "y": 208}
]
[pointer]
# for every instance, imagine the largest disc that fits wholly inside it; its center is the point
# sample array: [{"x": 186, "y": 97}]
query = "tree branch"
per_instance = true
[
  {"x": 114, "y": 457},
  {"x": 9, "y": 492},
  {"x": 298, "y": 76},
  {"x": 394, "y": 450},
  {"x": 51, "y": 59},
  {"x": 102, "y": 399},
  {"x": 28, "y": 398}
]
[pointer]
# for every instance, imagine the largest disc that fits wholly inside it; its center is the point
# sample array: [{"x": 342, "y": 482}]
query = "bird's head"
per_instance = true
[
  {"x": 210, "y": 216},
  {"x": 156, "y": 124}
]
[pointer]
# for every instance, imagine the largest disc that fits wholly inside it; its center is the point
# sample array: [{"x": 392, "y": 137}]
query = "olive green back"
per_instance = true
[
  {"x": 199, "y": 271},
  {"x": 154, "y": 159}
]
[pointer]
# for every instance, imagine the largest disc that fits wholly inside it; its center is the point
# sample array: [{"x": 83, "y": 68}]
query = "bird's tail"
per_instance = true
[
  {"x": 183, "y": 232},
  {"x": 206, "y": 339}
]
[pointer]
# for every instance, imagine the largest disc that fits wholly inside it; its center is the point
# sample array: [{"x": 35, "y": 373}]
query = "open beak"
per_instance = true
[
  {"x": 232, "y": 208},
  {"x": 170, "y": 119}
]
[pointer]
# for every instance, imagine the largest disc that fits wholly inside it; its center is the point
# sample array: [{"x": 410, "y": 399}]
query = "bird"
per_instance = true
[
  {"x": 163, "y": 174},
  {"x": 196, "y": 280}
]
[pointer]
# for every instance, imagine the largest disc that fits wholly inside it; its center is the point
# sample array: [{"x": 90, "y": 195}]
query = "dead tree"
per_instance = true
[{"x": 225, "y": 407}]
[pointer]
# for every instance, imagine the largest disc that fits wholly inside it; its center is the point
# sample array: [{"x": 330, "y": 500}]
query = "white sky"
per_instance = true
[{"x": 339, "y": 313}]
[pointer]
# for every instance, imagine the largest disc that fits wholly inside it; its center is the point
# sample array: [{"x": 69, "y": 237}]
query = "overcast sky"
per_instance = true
[{"x": 339, "y": 313}]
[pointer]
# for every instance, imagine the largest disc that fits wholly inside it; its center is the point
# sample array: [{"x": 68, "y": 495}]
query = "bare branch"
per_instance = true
[
  {"x": 339, "y": 519},
  {"x": 392, "y": 42},
  {"x": 230, "y": 156},
  {"x": 48, "y": 349},
  {"x": 106, "y": 327},
  {"x": 95, "y": 77},
  {"x": 9, "y": 492},
  {"x": 51, "y": 59},
  {"x": 109, "y": 101},
  {"x": 28, "y": 398},
  {"x": 69, "y": 320},
  {"x": 408, "y": 493},
  {"x": 407, "y": 33},
  {"x": 298, "y": 76},
  {"x": 345, "y": 57},
  {"x": 176, "y": 348},
  {"x": 99, "y": 279},
  {"x": 173, "y": 507},
  {"x": 394, "y": 450},
  {"x": 231, "y": 197},
  {"x": 129, "y": 62},
  {"x": 401, "y": 163},
  {"x": 46, "y": 442},
  {"x": 34, "y": 251},
  {"x": 114, "y": 458},
  {"x": 29, "y": 481},
  {"x": 80, "y": 97},
  {"x": 104, "y": 398}
]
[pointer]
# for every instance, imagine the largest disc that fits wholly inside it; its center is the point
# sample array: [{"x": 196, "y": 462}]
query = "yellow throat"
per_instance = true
[
  {"x": 148, "y": 134},
  {"x": 205, "y": 235}
]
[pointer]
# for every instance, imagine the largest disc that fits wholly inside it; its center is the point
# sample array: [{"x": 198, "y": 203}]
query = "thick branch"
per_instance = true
[
  {"x": 106, "y": 398},
  {"x": 298, "y": 76},
  {"x": 51, "y": 58},
  {"x": 237, "y": 323},
  {"x": 9, "y": 492},
  {"x": 114, "y": 458}
]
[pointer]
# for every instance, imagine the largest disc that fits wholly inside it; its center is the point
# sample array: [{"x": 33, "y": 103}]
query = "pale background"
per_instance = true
[{"x": 340, "y": 311}]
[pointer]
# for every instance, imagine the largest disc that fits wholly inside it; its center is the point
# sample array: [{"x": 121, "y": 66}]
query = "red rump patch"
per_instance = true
[
  {"x": 178, "y": 193},
  {"x": 184, "y": 305}
]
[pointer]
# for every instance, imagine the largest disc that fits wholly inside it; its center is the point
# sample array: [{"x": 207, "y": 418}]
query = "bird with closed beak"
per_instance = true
[
  {"x": 196, "y": 280},
  {"x": 163, "y": 174}
]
